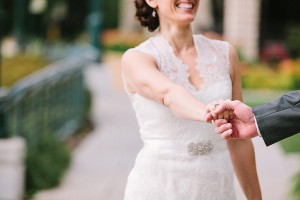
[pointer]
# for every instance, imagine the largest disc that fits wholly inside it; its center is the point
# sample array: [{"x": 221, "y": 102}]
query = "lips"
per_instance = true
[{"x": 185, "y": 5}]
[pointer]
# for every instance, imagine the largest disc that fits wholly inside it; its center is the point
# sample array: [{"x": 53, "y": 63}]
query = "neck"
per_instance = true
[{"x": 179, "y": 37}]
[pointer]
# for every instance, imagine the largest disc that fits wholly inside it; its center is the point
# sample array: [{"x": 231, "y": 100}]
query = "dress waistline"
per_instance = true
[{"x": 195, "y": 148}]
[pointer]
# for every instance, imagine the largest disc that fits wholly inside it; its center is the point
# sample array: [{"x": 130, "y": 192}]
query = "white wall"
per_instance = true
[{"x": 241, "y": 25}]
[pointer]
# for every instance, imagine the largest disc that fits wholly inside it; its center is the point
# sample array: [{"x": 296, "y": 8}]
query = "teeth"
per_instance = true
[{"x": 185, "y": 5}]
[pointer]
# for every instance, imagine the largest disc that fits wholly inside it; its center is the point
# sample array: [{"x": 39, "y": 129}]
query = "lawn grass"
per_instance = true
[{"x": 291, "y": 144}]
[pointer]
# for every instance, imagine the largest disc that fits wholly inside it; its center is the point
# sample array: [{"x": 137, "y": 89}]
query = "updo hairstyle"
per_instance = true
[{"x": 144, "y": 15}]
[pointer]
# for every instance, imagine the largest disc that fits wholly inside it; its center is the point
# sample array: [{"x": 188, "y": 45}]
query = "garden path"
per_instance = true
[{"x": 103, "y": 160}]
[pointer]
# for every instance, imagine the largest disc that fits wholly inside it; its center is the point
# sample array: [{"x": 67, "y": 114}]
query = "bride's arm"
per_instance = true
[
  {"x": 143, "y": 77},
  {"x": 241, "y": 150}
]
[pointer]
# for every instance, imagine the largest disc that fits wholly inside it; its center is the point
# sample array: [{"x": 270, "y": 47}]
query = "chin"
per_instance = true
[{"x": 187, "y": 20}]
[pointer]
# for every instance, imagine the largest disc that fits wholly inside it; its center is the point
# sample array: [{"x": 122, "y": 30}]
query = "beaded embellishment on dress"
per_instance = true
[{"x": 200, "y": 148}]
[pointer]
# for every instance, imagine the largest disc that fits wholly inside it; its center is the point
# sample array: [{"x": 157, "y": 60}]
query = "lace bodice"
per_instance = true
[
  {"x": 212, "y": 61},
  {"x": 164, "y": 170},
  {"x": 213, "y": 67}
]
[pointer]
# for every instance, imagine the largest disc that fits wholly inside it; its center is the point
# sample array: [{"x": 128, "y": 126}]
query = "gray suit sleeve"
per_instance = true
[{"x": 279, "y": 119}]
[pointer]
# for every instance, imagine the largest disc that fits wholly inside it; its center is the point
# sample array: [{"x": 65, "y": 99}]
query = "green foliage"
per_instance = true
[
  {"x": 121, "y": 47},
  {"x": 284, "y": 76},
  {"x": 295, "y": 82},
  {"x": 46, "y": 162},
  {"x": 293, "y": 41},
  {"x": 111, "y": 13},
  {"x": 114, "y": 40},
  {"x": 291, "y": 144},
  {"x": 296, "y": 188},
  {"x": 269, "y": 81},
  {"x": 87, "y": 108},
  {"x": 264, "y": 78},
  {"x": 252, "y": 104}
]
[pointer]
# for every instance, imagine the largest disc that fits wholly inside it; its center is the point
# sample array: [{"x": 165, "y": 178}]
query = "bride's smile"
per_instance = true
[
  {"x": 186, "y": 6},
  {"x": 178, "y": 11}
]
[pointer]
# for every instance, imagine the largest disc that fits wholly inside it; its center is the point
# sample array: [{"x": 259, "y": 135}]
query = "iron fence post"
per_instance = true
[
  {"x": 19, "y": 21},
  {"x": 1, "y": 25},
  {"x": 94, "y": 23},
  {"x": 3, "y": 116},
  {"x": 3, "y": 131}
]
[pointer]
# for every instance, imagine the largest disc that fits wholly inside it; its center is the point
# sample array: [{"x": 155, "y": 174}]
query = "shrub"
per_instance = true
[
  {"x": 296, "y": 188},
  {"x": 273, "y": 52},
  {"x": 120, "y": 41},
  {"x": 286, "y": 75},
  {"x": 47, "y": 160},
  {"x": 293, "y": 40}
]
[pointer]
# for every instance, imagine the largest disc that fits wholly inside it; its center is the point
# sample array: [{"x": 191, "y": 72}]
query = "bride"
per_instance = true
[{"x": 170, "y": 78}]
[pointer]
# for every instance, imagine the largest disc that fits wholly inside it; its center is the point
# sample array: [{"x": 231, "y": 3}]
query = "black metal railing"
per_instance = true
[{"x": 51, "y": 100}]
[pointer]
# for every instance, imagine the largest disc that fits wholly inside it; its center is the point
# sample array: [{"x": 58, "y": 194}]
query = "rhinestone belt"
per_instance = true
[
  {"x": 200, "y": 148},
  {"x": 193, "y": 148}
]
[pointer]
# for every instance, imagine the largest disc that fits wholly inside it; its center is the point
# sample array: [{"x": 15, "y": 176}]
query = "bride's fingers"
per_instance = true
[
  {"x": 223, "y": 128},
  {"x": 230, "y": 114},
  {"x": 211, "y": 115},
  {"x": 220, "y": 122},
  {"x": 209, "y": 118},
  {"x": 226, "y": 115},
  {"x": 211, "y": 107},
  {"x": 221, "y": 116},
  {"x": 227, "y": 134}
]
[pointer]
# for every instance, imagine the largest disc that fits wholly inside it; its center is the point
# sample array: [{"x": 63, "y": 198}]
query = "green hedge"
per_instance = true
[
  {"x": 281, "y": 76},
  {"x": 291, "y": 144},
  {"x": 46, "y": 162},
  {"x": 296, "y": 188},
  {"x": 271, "y": 81},
  {"x": 48, "y": 157}
]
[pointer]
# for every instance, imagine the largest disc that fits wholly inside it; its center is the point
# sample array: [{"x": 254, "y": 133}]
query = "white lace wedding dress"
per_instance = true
[{"x": 182, "y": 159}]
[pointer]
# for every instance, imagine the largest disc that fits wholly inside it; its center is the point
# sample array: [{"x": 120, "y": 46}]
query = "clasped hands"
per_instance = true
[{"x": 233, "y": 119}]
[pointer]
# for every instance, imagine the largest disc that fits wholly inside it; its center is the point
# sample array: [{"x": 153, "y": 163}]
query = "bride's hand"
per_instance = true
[{"x": 211, "y": 115}]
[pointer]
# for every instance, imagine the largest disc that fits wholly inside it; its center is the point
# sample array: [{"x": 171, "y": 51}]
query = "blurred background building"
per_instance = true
[{"x": 250, "y": 25}]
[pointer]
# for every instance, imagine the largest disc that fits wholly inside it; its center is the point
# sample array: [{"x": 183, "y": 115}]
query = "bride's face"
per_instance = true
[{"x": 181, "y": 11}]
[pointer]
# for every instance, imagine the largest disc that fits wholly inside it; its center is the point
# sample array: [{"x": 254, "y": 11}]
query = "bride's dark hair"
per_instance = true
[{"x": 144, "y": 15}]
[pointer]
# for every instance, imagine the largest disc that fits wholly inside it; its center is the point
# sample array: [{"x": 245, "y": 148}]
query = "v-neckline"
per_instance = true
[{"x": 187, "y": 67}]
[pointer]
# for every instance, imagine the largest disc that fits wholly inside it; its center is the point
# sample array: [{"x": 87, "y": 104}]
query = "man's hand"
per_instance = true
[{"x": 241, "y": 126}]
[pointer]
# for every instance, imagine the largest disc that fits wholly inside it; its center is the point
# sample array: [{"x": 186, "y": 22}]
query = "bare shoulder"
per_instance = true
[
  {"x": 133, "y": 58},
  {"x": 232, "y": 53},
  {"x": 136, "y": 66},
  {"x": 234, "y": 62}
]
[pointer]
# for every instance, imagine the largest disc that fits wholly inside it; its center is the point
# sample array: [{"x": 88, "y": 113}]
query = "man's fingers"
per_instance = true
[{"x": 223, "y": 128}]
